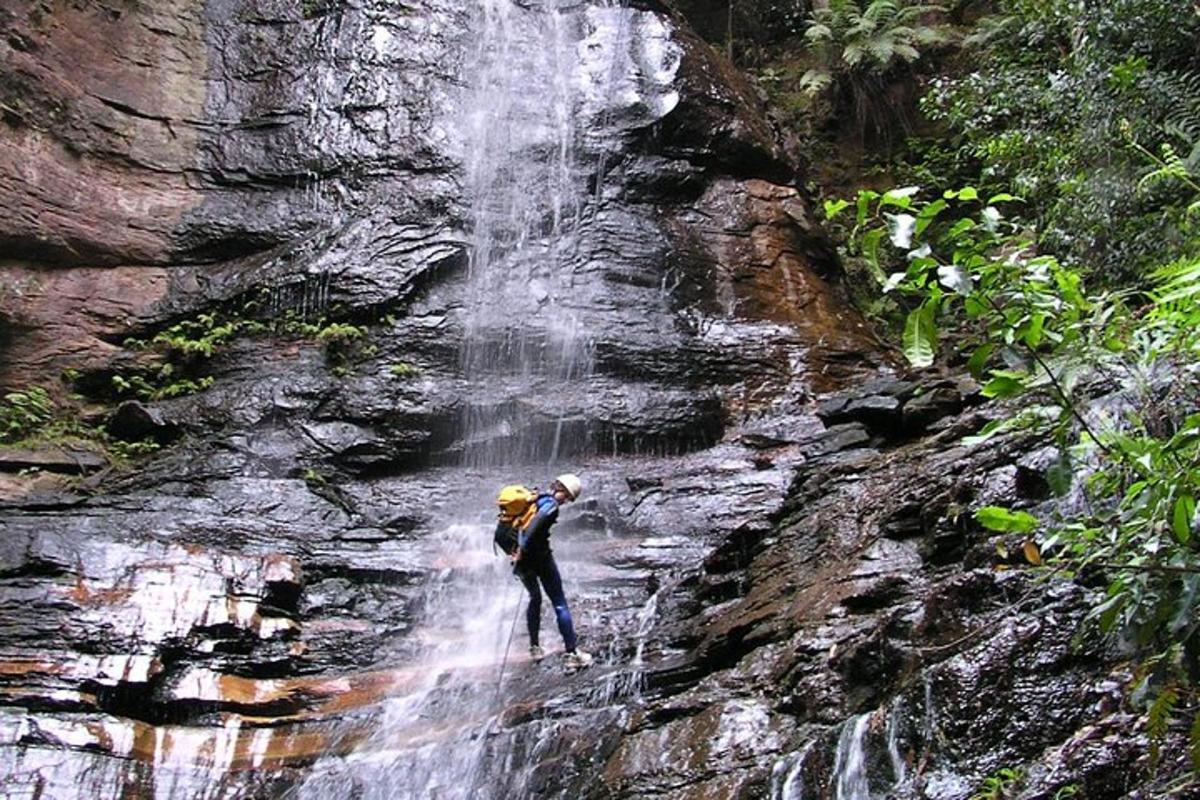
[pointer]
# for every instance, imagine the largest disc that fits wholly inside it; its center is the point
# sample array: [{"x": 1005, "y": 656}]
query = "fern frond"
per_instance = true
[
  {"x": 818, "y": 32},
  {"x": 1194, "y": 743},
  {"x": 989, "y": 29},
  {"x": 815, "y": 81},
  {"x": 877, "y": 10},
  {"x": 881, "y": 49},
  {"x": 1177, "y": 281},
  {"x": 853, "y": 54},
  {"x": 1157, "y": 719}
]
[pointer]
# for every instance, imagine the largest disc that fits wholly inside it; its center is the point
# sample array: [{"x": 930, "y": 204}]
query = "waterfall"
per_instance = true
[
  {"x": 528, "y": 166},
  {"x": 528, "y": 180},
  {"x": 787, "y": 776},
  {"x": 850, "y": 765}
]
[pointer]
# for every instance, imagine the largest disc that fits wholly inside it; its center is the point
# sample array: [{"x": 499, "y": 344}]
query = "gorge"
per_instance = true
[{"x": 397, "y": 254}]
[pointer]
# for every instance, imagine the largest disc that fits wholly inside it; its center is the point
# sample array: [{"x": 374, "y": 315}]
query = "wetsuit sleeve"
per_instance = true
[
  {"x": 505, "y": 538},
  {"x": 537, "y": 533}
]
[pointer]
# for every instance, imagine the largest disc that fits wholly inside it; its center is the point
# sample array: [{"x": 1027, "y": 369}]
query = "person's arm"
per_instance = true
[
  {"x": 533, "y": 537},
  {"x": 505, "y": 537}
]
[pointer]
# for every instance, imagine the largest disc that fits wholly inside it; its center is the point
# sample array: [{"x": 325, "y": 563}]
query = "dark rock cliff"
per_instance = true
[{"x": 761, "y": 564}]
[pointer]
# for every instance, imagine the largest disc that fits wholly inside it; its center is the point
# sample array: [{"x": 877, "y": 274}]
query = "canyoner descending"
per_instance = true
[{"x": 523, "y": 533}]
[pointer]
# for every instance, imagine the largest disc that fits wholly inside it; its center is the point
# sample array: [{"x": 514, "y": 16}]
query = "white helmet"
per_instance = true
[{"x": 571, "y": 483}]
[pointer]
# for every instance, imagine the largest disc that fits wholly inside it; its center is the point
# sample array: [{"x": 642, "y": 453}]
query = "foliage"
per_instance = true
[
  {"x": 32, "y": 416},
  {"x": 1114, "y": 377},
  {"x": 24, "y": 413},
  {"x": 856, "y": 46},
  {"x": 1051, "y": 91},
  {"x": 999, "y": 785},
  {"x": 177, "y": 357},
  {"x": 404, "y": 370}
]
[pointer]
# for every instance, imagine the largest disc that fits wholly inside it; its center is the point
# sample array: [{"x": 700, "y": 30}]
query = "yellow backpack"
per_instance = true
[{"x": 517, "y": 506}]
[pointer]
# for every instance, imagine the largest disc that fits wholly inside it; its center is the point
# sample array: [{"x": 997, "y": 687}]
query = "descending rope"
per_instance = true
[{"x": 504, "y": 661}]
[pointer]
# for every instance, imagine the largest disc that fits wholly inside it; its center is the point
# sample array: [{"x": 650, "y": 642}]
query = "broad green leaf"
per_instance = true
[
  {"x": 870, "y": 246},
  {"x": 958, "y": 229},
  {"x": 900, "y": 198},
  {"x": 974, "y": 307},
  {"x": 1181, "y": 520},
  {"x": 979, "y": 359},
  {"x": 1060, "y": 475},
  {"x": 864, "y": 205},
  {"x": 920, "y": 336},
  {"x": 1003, "y": 198},
  {"x": 835, "y": 207},
  {"x": 1032, "y": 333},
  {"x": 997, "y": 518},
  {"x": 928, "y": 214},
  {"x": 1004, "y": 384}
]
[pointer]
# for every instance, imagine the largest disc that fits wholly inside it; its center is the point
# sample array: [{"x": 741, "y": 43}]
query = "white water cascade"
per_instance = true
[{"x": 531, "y": 174}]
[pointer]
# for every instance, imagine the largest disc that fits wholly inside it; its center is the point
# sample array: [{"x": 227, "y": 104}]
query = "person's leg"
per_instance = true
[
  {"x": 533, "y": 611},
  {"x": 552, "y": 583}
]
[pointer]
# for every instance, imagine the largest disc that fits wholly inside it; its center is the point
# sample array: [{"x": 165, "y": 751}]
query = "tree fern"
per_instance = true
[{"x": 1183, "y": 118}]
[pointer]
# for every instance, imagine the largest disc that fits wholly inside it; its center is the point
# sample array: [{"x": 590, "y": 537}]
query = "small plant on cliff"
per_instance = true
[
  {"x": 24, "y": 413},
  {"x": 1000, "y": 785},
  {"x": 403, "y": 369}
]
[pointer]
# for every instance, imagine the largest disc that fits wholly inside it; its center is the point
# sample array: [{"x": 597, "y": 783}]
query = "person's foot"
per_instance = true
[
  {"x": 536, "y": 653},
  {"x": 578, "y": 659}
]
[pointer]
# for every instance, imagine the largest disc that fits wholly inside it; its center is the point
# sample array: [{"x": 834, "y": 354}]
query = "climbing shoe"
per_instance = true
[
  {"x": 536, "y": 653},
  {"x": 578, "y": 659}
]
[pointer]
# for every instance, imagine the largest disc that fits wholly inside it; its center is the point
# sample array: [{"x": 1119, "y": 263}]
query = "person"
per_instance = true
[{"x": 526, "y": 541}]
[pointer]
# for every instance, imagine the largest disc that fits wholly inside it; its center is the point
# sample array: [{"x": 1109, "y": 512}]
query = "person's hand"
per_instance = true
[{"x": 516, "y": 555}]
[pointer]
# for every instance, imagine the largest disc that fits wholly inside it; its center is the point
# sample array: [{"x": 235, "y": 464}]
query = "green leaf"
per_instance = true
[
  {"x": 1032, "y": 333},
  {"x": 835, "y": 207},
  {"x": 900, "y": 198},
  {"x": 1004, "y": 384},
  {"x": 928, "y": 214},
  {"x": 1181, "y": 519},
  {"x": 979, "y": 359},
  {"x": 863, "y": 204},
  {"x": 996, "y": 518},
  {"x": 870, "y": 246},
  {"x": 1060, "y": 475},
  {"x": 965, "y": 193},
  {"x": 920, "y": 336}
]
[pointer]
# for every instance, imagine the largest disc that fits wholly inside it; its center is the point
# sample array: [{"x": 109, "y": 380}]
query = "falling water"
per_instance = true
[
  {"x": 850, "y": 765},
  {"x": 895, "y": 722},
  {"x": 527, "y": 174},
  {"x": 787, "y": 776},
  {"x": 527, "y": 180}
]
